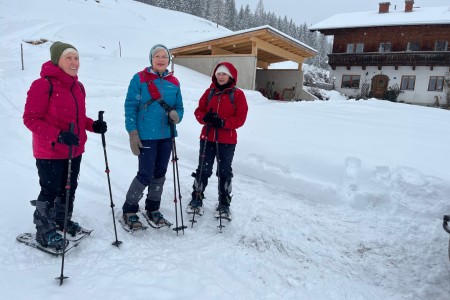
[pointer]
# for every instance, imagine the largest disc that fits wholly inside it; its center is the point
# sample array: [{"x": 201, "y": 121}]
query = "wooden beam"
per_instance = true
[
  {"x": 277, "y": 51},
  {"x": 218, "y": 51},
  {"x": 254, "y": 48},
  {"x": 262, "y": 65}
]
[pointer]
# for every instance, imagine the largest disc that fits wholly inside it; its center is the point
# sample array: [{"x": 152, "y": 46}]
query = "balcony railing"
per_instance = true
[{"x": 432, "y": 58}]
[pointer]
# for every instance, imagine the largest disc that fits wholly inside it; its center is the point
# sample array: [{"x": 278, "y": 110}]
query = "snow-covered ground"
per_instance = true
[{"x": 332, "y": 199}]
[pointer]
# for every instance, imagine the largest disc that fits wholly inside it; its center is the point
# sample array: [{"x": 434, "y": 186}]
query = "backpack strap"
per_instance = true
[
  {"x": 230, "y": 93},
  {"x": 82, "y": 88},
  {"x": 154, "y": 94},
  {"x": 50, "y": 90}
]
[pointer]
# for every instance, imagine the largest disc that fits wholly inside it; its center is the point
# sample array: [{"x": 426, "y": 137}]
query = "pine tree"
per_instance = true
[
  {"x": 260, "y": 14},
  {"x": 230, "y": 14}
]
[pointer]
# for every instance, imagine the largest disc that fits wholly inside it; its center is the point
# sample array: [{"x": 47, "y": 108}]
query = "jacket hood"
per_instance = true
[
  {"x": 50, "y": 70},
  {"x": 230, "y": 67}
]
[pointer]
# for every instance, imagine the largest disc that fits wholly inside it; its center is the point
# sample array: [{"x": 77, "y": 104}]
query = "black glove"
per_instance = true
[
  {"x": 217, "y": 122},
  {"x": 99, "y": 126},
  {"x": 68, "y": 138},
  {"x": 209, "y": 116}
]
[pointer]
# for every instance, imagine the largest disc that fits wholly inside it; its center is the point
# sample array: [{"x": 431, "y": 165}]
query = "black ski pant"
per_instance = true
[
  {"x": 224, "y": 171},
  {"x": 53, "y": 179}
]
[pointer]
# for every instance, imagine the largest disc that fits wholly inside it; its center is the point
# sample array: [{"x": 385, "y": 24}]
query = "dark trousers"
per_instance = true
[
  {"x": 53, "y": 178},
  {"x": 153, "y": 162},
  {"x": 154, "y": 159},
  {"x": 224, "y": 171}
]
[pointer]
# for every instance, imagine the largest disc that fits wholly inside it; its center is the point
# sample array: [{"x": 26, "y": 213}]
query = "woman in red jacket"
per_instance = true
[
  {"x": 54, "y": 101},
  {"x": 221, "y": 110}
]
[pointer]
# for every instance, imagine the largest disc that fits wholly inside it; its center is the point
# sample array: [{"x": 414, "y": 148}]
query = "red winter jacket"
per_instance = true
[
  {"x": 220, "y": 103},
  {"x": 46, "y": 118}
]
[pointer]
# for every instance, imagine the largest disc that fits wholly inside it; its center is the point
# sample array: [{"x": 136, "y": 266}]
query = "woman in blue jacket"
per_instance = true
[{"x": 153, "y": 105}]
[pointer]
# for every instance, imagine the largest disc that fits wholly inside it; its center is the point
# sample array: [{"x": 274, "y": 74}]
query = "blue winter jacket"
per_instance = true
[{"x": 151, "y": 120}]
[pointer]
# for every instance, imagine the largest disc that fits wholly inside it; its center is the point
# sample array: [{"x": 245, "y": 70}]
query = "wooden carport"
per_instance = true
[
  {"x": 266, "y": 43},
  {"x": 252, "y": 51}
]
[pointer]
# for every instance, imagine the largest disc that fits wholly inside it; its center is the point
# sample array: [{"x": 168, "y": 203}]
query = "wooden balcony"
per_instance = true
[{"x": 396, "y": 59}]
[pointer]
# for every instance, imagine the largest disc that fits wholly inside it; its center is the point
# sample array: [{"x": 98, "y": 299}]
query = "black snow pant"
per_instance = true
[
  {"x": 50, "y": 204},
  {"x": 224, "y": 171}
]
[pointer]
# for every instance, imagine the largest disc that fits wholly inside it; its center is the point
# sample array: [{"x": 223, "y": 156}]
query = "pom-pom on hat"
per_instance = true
[
  {"x": 57, "y": 49},
  {"x": 157, "y": 48},
  {"x": 223, "y": 69}
]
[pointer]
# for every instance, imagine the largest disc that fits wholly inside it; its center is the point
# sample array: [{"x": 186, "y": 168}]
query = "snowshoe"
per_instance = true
[
  {"x": 130, "y": 222},
  {"x": 156, "y": 219},
  {"x": 73, "y": 228},
  {"x": 223, "y": 212},
  {"x": 195, "y": 207},
  {"x": 29, "y": 239}
]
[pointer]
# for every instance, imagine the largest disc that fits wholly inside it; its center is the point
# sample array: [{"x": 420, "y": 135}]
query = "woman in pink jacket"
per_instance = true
[{"x": 54, "y": 101}]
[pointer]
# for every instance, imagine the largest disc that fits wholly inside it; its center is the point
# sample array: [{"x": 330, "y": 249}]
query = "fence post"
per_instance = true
[{"x": 21, "y": 55}]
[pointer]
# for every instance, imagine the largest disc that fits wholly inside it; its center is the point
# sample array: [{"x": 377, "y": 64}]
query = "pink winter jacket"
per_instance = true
[{"x": 46, "y": 118}]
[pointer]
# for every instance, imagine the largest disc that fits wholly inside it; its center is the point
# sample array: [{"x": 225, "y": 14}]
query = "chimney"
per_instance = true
[
  {"x": 409, "y": 5},
  {"x": 384, "y": 7}
]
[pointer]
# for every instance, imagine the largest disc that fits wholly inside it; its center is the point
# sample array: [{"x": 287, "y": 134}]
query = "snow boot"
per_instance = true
[
  {"x": 196, "y": 204},
  {"x": 156, "y": 219},
  {"x": 223, "y": 208},
  {"x": 43, "y": 218},
  {"x": 73, "y": 228},
  {"x": 50, "y": 239},
  {"x": 132, "y": 220}
]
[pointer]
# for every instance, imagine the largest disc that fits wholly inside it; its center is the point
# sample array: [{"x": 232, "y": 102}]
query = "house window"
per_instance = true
[
  {"x": 355, "y": 48},
  {"x": 350, "y": 81},
  {"x": 385, "y": 47},
  {"x": 408, "y": 83},
  {"x": 359, "y": 48},
  {"x": 441, "y": 46},
  {"x": 413, "y": 46},
  {"x": 436, "y": 83}
]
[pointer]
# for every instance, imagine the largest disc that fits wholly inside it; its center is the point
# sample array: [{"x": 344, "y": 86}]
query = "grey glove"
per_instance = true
[
  {"x": 173, "y": 117},
  {"x": 135, "y": 142}
]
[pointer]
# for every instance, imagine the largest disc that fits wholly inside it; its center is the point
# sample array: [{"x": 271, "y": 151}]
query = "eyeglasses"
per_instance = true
[{"x": 161, "y": 57}]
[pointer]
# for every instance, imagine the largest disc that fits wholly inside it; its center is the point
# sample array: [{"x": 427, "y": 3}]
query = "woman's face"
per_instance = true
[
  {"x": 160, "y": 61},
  {"x": 69, "y": 62},
  {"x": 222, "y": 78}
]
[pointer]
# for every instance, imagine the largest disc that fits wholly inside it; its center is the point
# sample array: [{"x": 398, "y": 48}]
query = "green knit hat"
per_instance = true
[{"x": 56, "y": 50}]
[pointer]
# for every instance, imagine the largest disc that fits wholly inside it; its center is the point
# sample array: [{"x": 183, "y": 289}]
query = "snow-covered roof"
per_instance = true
[
  {"x": 419, "y": 16},
  {"x": 219, "y": 36}
]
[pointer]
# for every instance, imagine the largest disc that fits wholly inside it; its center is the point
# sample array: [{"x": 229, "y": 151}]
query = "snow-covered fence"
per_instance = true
[{"x": 321, "y": 85}]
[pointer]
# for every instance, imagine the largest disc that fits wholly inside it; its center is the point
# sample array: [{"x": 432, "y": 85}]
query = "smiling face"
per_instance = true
[
  {"x": 69, "y": 62},
  {"x": 160, "y": 61}
]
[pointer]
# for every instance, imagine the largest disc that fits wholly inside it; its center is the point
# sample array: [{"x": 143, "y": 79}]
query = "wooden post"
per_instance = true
[
  {"x": 21, "y": 55},
  {"x": 120, "y": 50}
]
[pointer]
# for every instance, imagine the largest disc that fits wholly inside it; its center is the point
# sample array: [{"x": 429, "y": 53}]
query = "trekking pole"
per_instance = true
[
  {"x": 218, "y": 177},
  {"x": 176, "y": 181},
  {"x": 199, "y": 176},
  {"x": 66, "y": 212},
  {"x": 117, "y": 242}
]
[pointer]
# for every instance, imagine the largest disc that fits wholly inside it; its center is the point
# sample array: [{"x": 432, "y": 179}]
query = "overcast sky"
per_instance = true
[{"x": 315, "y": 11}]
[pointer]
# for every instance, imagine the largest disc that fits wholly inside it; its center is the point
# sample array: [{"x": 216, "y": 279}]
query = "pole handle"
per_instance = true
[
  {"x": 100, "y": 115},
  {"x": 100, "y": 118}
]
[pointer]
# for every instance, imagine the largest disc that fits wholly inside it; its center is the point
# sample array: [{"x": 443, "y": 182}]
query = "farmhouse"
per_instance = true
[{"x": 396, "y": 53}]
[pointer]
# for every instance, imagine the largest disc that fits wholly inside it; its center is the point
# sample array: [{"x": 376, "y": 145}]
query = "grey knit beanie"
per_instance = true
[{"x": 157, "y": 48}]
